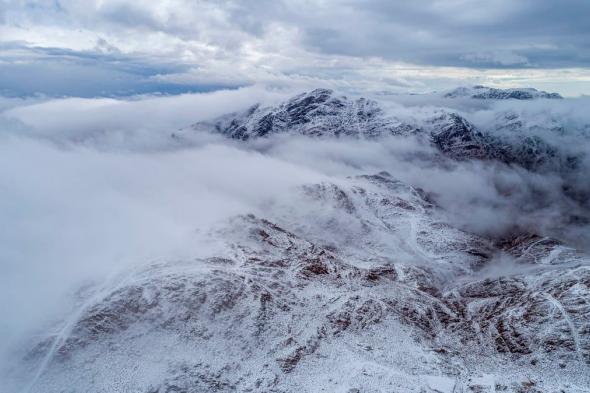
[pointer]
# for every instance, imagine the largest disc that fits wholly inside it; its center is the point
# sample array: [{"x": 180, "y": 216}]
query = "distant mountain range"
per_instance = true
[{"x": 490, "y": 93}]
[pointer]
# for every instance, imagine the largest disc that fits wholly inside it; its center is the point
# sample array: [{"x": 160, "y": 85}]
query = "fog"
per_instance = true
[
  {"x": 136, "y": 123},
  {"x": 92, "y": 186}
]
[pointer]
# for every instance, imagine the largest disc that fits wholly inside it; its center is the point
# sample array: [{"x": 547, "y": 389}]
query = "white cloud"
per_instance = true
[
  {"x": 140, "y": 122},
  {"x": 239, "y": 42}
]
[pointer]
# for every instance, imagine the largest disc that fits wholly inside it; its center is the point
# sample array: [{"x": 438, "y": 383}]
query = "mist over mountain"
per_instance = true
[
  {"x": 294, "y": 196},
  {"x": 280, "y": 240}
]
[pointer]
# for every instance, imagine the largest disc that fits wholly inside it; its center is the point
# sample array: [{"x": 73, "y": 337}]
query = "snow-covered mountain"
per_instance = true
[
  {"x": 317, "y": 113},
  {"x": 282, "y": 312},
  {"x": 322, "y": 113},
  {"x": 489, "y": 93},
  {"x": 366, "y": 284}
]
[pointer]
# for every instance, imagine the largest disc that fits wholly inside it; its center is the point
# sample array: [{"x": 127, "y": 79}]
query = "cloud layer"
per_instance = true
[{"x": 116, "y": 47}]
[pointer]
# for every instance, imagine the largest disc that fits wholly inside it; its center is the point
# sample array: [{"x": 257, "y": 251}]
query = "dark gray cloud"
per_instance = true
[
  {"x": 144, "y": 46},
  {"x": 540, "y": 34}
]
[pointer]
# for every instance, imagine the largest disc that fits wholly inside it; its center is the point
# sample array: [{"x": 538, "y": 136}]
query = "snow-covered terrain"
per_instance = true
[
  {"x": 489, "y": 93},
  {"x": 401, "y": 245}
]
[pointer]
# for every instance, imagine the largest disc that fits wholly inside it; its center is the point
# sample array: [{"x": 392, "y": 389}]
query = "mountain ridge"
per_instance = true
[
  {"x": 489, "y": 93},
  {"x": 322, "y": 113}
]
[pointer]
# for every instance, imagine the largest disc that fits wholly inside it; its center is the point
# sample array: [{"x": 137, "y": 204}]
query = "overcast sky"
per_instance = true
[{"x": 117, "y": 47}]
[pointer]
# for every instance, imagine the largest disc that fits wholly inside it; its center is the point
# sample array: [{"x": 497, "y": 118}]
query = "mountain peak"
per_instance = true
[{"x": 319, "y": 112}]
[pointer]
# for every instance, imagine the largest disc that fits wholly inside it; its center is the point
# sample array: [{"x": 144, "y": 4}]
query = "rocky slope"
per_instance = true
[{"x": 285, "y": 310}]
